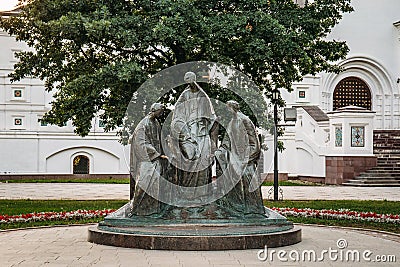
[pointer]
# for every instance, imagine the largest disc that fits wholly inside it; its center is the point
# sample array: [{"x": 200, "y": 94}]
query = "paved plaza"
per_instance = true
[
  {"x": 68, "y": 246},
  {"x": 121, "y": 191}
]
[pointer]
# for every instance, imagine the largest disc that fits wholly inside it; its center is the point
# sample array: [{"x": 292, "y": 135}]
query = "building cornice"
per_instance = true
[{"x": 10, "y": 13}]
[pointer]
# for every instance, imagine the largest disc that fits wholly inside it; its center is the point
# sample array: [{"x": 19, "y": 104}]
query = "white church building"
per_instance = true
[
  {"x": 331, "y": 143},
  {"x": 347, "y": 124},
  {"x": 28, "y": 147}
]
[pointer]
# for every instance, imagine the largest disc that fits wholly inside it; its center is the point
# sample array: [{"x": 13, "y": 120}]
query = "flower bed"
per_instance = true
[
  {"x": 54, "y": 216},
  {"x": 341, "y": 214}
]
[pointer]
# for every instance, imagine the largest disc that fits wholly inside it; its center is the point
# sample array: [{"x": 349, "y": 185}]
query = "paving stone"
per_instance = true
[
  {"x": 67, "y": 246},
  {"x": 121, "y": 191}
]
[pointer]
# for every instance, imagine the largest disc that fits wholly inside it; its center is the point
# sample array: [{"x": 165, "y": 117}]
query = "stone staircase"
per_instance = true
[{"x": 387, "y": 171}]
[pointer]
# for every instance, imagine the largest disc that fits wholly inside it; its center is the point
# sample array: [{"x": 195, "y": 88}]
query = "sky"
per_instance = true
[{"x": 6, "y": 5}]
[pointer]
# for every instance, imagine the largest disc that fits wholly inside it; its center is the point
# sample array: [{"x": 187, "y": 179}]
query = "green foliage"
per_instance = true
[{"x": 95, "y": 54}]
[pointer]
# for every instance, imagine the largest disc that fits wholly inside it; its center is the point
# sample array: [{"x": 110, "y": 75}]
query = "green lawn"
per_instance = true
[
  {"x": 102, "y": 180},
  {"x": 292, "y": 183},
  {"x": 16, "y": 207},
  {"x": 382, "y": 207},
  {"x": 109, "y": 180}
]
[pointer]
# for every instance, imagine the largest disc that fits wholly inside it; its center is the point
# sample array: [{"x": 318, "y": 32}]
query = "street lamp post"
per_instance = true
[{"x": 275, "y": 98}]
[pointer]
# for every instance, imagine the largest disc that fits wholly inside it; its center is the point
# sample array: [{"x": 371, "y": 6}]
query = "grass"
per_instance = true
[
  {"x": 109, "y": 180},
  {"x": 16, "y": 207},
  {"x": 292, "y": 183},
  {"x": 48, "y": 223},
  {"x": 103, "y": 180},
  {"x": 21, "y": 206},
  {"x": 382, "y": 207},
  {"x": 388, "y": 227}
]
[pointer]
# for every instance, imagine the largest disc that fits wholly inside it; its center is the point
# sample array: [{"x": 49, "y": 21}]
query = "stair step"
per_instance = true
[
  {"x": 379, "y": 176},
  {"x": 379, "y": 169},
  {"x": 384, "y": 165},
  {"x": 394, "y": 168},
  {"x": 386, "y": 147},
  {"x": 386, "y": 151},
  {"x": 387, "y": 156},
  {"x": 371, "y": 185},
  {"x": 375, "y": 181}
]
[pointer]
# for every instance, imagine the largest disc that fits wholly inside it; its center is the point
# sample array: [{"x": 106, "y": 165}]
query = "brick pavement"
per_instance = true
[
  {"x": 67, "y": 246},
  {"x": 121, "y": 191}
]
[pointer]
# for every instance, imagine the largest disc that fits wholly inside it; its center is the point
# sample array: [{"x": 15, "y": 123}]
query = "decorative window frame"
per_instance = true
[
  {"x": 14, "y": 59},
  {"x": 22, "y": 93},
  {"x": 363, "y": 141},
  {"x": 21, "y": 126},
  {"x": 338, "y": 143},
  {"x": 41, "y": 123},
  {"x": 302, "y": 94},
  {"x": 82, "y": 153}
]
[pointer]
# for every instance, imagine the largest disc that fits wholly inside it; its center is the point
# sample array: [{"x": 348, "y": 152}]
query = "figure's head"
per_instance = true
[
  {"x": 157, "y": 109},
  {"x": 190, "y": 77},
  {"x": 233, "y": 105}
]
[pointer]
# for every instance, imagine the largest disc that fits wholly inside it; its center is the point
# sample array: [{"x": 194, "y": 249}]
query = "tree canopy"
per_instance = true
[{"x": 96, "y": 53}]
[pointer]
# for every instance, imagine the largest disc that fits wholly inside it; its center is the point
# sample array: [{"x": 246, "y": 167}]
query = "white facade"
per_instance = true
[
  {"x": 372, "y": 33},
  {"x": 28, "y": 147}
]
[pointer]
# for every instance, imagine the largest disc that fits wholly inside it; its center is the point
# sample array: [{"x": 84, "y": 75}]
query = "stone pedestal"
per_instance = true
[
  {"x": 187, "y": 237},
  {"x": 249, "y": 232}
]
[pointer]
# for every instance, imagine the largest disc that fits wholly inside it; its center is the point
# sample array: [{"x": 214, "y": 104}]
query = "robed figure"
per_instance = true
[
  {"x": 146, "y": 163},
  {"x": 195, "y": 133},
  {"x": 238, "y": 156}
]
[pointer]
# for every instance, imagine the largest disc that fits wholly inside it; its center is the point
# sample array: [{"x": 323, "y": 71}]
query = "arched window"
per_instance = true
[
  {"x": 352, "y": 91},
  {"x": 81, "y": 165}
]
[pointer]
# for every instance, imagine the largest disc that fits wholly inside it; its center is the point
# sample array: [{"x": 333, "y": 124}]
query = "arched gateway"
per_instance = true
[{"x": 352, "y": 91}]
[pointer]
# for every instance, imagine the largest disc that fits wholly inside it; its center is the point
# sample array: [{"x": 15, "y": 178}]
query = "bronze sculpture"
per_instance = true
[{"x": 146, "y": 163}]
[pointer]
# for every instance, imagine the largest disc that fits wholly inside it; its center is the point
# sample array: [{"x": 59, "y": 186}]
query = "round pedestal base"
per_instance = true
[{"x": 192, "y": 237}]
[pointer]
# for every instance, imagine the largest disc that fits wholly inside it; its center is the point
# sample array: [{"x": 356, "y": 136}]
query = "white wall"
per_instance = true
[
  {"x": 369, "y": 31},
  {"x": 33, "y": 148},
  {"x": 54, "y": 153},
  {"x": 374, "y": 57}
]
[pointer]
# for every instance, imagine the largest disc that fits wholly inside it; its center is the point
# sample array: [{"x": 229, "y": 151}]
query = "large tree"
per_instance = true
[{"x": 96, "y": 53}]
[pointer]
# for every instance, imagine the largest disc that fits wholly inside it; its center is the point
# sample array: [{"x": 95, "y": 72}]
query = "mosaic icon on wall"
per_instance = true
[
  {"x": 357, "y": 136},
  {"x": 18, "y": 121},
  {"x": 17, "y": 93},
  {"x": 338, "y": 136}
]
